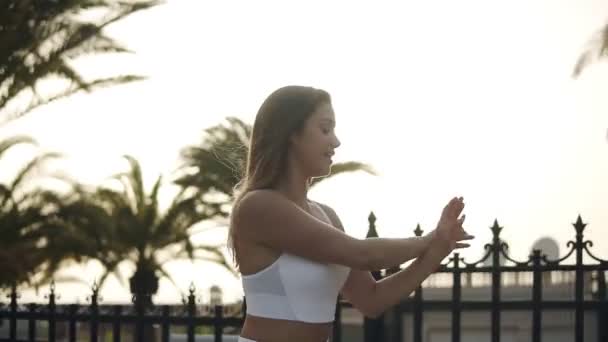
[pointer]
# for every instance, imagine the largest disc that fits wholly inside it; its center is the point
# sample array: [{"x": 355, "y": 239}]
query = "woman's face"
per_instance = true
[{"x": 314, "y": 146}]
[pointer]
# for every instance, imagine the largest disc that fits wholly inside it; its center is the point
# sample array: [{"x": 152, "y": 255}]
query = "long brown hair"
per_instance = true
[{"x": 283, "y": 113}]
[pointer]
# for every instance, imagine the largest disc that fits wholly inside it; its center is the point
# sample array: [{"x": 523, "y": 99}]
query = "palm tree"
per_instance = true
[
  {"x": 125, "y": 224},
  {"x": 40, "y": 39},
  {"x": 213, "y": 168},
  {"x": 25, "y": 215},
  {"x": 598, "y": 48}
]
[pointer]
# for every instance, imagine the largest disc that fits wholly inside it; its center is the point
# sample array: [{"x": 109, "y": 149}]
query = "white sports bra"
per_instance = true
[{"x": 295, "y": 288}]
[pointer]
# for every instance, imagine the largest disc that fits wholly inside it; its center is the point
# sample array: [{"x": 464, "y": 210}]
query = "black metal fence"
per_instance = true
[
  {"x": 96, "y": 322},
  {"x": 120, "y": 322},
  {"x": 537, "y": 265}
]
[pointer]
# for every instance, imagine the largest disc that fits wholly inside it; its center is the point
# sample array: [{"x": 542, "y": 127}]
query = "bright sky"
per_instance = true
[{"x": 443, "y": 98}]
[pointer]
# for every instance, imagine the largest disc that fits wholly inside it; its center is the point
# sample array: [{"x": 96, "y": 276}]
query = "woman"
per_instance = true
[{"x": 292, "y": 252}]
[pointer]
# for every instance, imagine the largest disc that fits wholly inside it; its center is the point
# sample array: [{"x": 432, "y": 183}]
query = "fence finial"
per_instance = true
[
  {"x": 418, "y": 231},
  {"x": 579, "y": 225},
  {"x": 496, "y": 229},
  {"x": 51, "y": 295},
  {"x": 371, "y": 232},
  {"x": 94, "y": 297}
]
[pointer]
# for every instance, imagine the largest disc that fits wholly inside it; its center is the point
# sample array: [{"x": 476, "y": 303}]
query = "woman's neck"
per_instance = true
[{"x": 295, "y": 187}]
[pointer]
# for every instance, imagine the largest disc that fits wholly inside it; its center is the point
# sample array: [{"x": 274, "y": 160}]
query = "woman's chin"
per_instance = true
[{"x": 323, "y": 172}]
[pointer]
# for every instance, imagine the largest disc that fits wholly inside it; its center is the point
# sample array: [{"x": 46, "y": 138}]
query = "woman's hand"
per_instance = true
[{"x": 449, "y": 232}]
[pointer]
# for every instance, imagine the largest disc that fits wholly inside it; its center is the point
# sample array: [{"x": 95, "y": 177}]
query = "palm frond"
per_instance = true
[
  {"x": 29, "y": 167},
  {"x": 90, "y": 85},
  {"x": 7, "y": 143},
  {"x": 133, "y": 183},
  {"x": 346, "y": 167},
  {"x": 39, "y": 38},
  {"x": 597, "y": 48}
]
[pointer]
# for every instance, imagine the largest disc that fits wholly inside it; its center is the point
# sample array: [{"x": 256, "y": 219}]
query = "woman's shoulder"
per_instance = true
[
  {"x": 262, "y": 205},
  {"x": 257, "y": 198}
]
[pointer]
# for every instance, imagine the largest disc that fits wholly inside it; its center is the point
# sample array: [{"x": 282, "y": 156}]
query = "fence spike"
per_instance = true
[
  {"x": 418, "y": 231},
  {"x": 371, "y": 232},
  {"x": 579, "y": 226},
  {"x": 496, "y": 229}
]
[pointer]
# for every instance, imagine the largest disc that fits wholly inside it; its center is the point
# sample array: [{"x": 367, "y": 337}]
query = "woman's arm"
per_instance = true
[
  {"x": 416, "y": 244},
  {"x": 268, "y": 218},
  {"x": 372, "y": 297}
]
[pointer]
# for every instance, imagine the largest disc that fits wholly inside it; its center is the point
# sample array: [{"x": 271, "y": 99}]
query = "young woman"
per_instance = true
[{"x": 292, "y": 252}]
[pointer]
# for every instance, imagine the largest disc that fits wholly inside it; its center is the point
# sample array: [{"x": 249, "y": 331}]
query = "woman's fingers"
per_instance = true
[
  {"x": 463, "y": 235},
  {"x": 460, "y": 245},
  {"x": 454, "y": 207},
  {"x": 468, "y": 237}
]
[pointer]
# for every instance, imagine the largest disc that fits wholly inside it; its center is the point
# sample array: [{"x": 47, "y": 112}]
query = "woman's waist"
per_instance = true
[{"x": 263, "y": 329}]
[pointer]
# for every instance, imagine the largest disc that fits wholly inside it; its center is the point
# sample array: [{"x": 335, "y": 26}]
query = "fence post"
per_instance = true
[
  {"x": 93, "y": 331},
  {"x": 13, "y": 315},
  {"x": 602, "y": 322},
  {"x": 32, "y": 322},
  {"x": 116, "y": 323},
  {"x": 73, "y": 308},
  {"x": 218, "y": 326},
  {"x": 395, "y": 318},
  {"x": 52, "y": 309},
  {"x": 537, "y": 286},
  {"x": 397, "y": 324},
  {"x": 165, "y": 324},
  {"x": 456, "y": 299},
  {"x": 337, "y": 328},
  {"x": 373, "y": 327},
  {"x": 496, "y": 248},
  {"x": 139, "y": 301},
  {"x": 191, "y": 312},
  {"x": 417, "y": 314},
  {"x": 579, "y": 317}
]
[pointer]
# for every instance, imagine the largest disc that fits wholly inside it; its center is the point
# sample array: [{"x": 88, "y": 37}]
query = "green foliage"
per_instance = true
[{"x": 40, "y": 39}]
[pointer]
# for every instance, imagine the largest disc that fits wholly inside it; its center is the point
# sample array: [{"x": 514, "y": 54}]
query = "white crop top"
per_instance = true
[{"x": 295, "y": 288}]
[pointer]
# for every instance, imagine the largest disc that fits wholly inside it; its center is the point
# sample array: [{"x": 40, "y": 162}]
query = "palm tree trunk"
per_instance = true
[{"x": 143, "y": 284}]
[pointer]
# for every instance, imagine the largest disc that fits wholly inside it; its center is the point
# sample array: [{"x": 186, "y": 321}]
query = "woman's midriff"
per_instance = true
[{"x": 262, "y": 329}]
